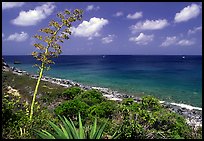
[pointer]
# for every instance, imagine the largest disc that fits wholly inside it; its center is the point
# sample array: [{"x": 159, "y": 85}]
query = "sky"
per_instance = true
[{"x": 108, "y": 28}]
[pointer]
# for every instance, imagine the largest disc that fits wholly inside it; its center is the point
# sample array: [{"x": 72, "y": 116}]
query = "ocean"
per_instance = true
[{"x": 168, "y": 77}]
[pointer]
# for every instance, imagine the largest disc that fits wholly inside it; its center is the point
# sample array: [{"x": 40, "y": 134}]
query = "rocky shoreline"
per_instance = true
[{"x": 192, "y": 114}]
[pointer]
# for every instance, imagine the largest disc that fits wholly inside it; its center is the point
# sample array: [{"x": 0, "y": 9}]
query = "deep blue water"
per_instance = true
[{"x": 170, "y": 78}]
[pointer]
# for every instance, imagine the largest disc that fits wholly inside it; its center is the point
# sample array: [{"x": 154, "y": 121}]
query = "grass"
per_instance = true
[{"x": 48, "y": 92}]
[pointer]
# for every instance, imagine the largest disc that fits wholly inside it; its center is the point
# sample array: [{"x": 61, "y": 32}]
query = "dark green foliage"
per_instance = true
[
  {"x": 103, "y": 110},
  {"x": 127, "y": 101},
  {"x": 70, "y": 93},
  {"x": 144, "y": 121},
  {"x": 71, "y": 108},
  {"x": 91, "y": 97},
  {"x": 150, "y": 103}
]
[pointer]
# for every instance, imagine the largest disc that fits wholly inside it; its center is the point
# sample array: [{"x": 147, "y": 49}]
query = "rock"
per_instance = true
[{"x": 125, "y": 96}]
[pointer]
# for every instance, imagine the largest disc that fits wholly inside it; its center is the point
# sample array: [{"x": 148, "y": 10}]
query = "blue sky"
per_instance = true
[{"x": 129, "y": 28}]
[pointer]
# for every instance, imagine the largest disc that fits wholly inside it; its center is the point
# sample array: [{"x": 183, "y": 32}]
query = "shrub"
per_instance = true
[
  {"x": 70, "y": 93},
  {"x": 127, "y": 101},
  {"x": 91, "y": 97},
  {"x": 149, "y": 120},
  {"x": 15, "y": 118},
  {"x": 150, "y": 103},
  {"x": 71, "y": 108},
  {"x": 103, "y": 110}
]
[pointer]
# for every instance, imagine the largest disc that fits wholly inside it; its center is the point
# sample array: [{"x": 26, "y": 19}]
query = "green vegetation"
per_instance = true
[
  {"x": 71, "y": 108},
  {"x": 69, "y": 131},
  {"x": 126, "y": 120},
  {"x": 15, "y": 118},
  {"x": 71, "y": 92},
  {"x": 49, "y": 46}
]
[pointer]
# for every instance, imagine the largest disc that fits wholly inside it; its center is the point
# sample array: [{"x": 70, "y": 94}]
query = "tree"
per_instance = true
[{"x": 49, "y": 46}]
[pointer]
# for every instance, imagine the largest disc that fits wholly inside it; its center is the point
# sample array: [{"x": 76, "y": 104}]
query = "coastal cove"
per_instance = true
[
  {"x": 170, "y": 78},
  {"x": 192, "y": 114}
]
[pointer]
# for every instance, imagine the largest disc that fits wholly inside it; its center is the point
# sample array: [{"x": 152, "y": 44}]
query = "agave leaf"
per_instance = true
[
  {"x": 93, "y": 129},
  {"x": 115, "y": 135},
  {"x": 99, "y": 132},
  {"x": 72, "y": 128},
  {"x": 58, "y": 130},
  {"x": 44, "y": 134},
  {"x": 81, "y": 130},
  {"x": 64, "y": 131},
  {"x": 67, "y": 128}
]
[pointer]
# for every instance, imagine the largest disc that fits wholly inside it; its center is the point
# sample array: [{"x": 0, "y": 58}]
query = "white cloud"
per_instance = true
[
  {"x": 18, "y": 37},
  {"x": 136, "y": 15},
  {"x": 187, "y": 13},
  {"x": 118, "y": 14},
  {"x": 8, "y": 5},
  {"x": 3, "y": 35},
  {"x": 176, "y": 41},
  {"x": 142, "y": 39},
  {"x": 194, "y": 30},
  {"x": 149, "y": 25},
  {"x": 185, "y": 42},
  {"x": 92, "y": 7},
  {"x": 89, "y": 28},
  {"x": 169, "y": 41},
  {"x": 32, "y": 17},
  {"x": 108, "y": 39}
]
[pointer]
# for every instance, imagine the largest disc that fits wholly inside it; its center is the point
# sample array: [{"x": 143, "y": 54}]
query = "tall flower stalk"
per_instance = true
[{"x": 49, "y": 46}]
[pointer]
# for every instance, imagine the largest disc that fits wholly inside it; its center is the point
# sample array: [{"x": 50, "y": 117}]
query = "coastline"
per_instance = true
[{"x": 192, "y": 114}]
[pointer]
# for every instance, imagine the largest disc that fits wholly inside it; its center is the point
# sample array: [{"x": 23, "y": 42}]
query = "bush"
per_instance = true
[
  {"x": 149, "y": 119},
  {"x": 12, "y": 117},
  {"x": 15, "y": 118},
  {"x": 103, "y": 110},
  {"x": 127, "y": 101},
  {"x": 150, "y": 103},
  {"x": 71, "y": 108},
  {"x": 91, "y": 97},
  {"x": 71, "y": 92}
]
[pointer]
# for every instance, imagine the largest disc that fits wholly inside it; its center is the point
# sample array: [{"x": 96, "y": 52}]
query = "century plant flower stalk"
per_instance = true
[{"x": 56, "y": 33}]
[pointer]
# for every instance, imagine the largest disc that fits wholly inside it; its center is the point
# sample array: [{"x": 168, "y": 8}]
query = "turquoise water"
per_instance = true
[{"x": 170, "y": 78}]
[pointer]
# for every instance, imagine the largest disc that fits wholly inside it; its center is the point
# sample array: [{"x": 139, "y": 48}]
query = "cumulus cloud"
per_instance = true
[
  {"x": 92, "y": 7},
  {"x": 18, "y": 37},
  {"x": 3, "y": 35},
  {"x": 187, "y": 13},
  {"x": 108, "y": 39},
  {"x": 136, "y": 15},
  {"x": 89, "y": 28},
  {"x": 176, "y": 41},
  {"x": 32, "y": 17},
  {"x": 185, "y": 42},
  {"x": 194, "y": 30},
  {"x": 8, "y": 5},
  {"x": 118, "y": 14},
  {"x": 169, "y": 41},
  {"x": 149, "y": 25},
  {"x": 142, "y": 39}
]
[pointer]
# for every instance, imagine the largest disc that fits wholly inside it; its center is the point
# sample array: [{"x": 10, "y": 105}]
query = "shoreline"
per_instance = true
[{"x": 192, "y": 114}]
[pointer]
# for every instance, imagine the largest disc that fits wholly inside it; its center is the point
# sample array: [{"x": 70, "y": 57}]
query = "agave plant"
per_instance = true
[{"x": 69, "y": 131}]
